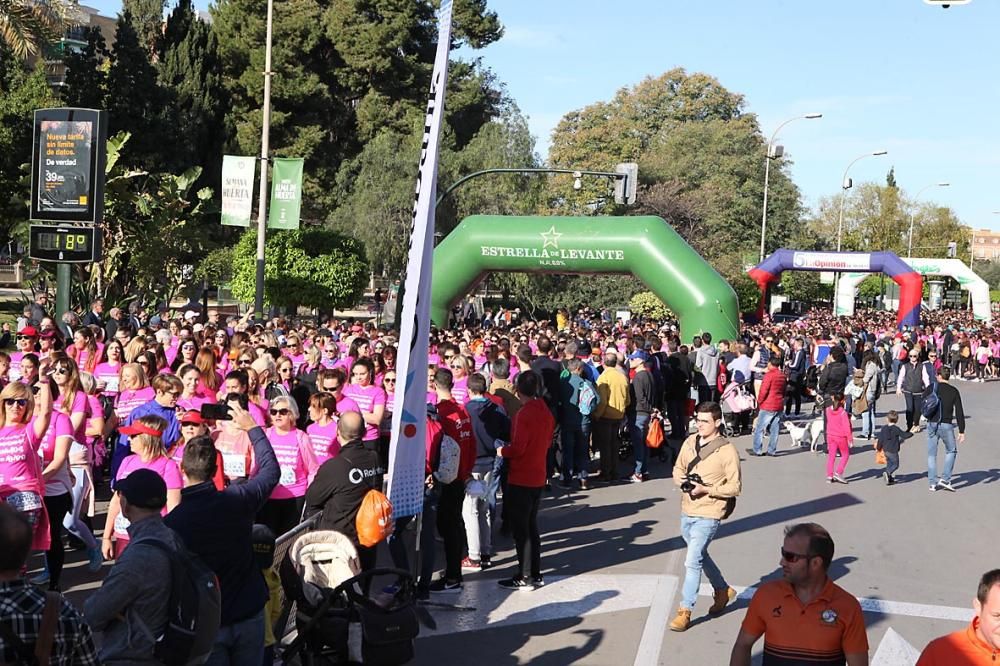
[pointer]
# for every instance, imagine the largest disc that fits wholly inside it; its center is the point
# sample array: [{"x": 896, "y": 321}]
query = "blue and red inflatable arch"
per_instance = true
[{"x": 911, "y": 284}]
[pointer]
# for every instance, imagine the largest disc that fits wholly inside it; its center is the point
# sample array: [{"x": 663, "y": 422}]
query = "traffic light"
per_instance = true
[
  {"x": 945, "y": 4},
  {"x": 953, "y": 249}
]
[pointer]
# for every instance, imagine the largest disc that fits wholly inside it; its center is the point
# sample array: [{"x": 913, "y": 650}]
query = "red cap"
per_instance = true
[
  {"x": 138, "y": 428},
  {"x": 192, "y": 416},
  {"x": 29, "y": 331}
]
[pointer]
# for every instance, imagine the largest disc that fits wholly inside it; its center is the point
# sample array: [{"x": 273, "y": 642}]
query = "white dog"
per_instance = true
[{"x": 813, "y": 429}]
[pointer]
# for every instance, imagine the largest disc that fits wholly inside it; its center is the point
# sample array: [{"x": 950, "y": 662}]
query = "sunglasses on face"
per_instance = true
[
  {"x": 390, "y": 380},
  {"x": 25, "y": 337},
  {"x": 789, "y": 556},
  {"x": 330, "y": 389},
  {"x": 246, "y": 361},
  {"x": 143, "y": 362},
  {"x": 284, "y": 369},
  {"x": 61, "y": 371},
  {"x": 280, "y": 412},
  {"x": 20, "y": 402}
]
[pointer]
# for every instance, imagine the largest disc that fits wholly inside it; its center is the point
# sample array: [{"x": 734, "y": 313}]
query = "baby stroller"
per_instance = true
[
  {"x": 320, "y": 574},
  {"x": 737, "y": 404}
]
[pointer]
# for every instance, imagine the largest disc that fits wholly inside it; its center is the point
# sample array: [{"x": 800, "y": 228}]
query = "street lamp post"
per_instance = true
[
  {"x": 258, "y": 301},
  {"x": 845, "y": 185},
  {"x": 909, "y": 243},
  {"x": 772, "y": 153}
]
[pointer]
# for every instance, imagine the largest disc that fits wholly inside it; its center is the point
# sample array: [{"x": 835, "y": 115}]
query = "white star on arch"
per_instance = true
[{"x": 551, "y": 237}]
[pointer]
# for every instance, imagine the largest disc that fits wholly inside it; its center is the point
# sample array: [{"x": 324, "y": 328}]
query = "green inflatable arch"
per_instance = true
[{"x": 645, "y": 246}]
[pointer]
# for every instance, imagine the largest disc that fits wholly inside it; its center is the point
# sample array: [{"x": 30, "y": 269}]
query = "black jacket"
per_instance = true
[
  {"x": 341, "y": 485},
  {"x": 217, "y": 526},
  {"x": 833, "y": 379},
  {"x": 890, "y": 437}
]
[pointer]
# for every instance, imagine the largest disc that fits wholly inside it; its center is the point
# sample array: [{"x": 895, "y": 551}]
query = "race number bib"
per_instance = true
[
  {"x": 14, "y": 374},
  {"x": 121, "y": 524},
  {"x": 287, "y": 476},
  {"x": 111, "y": 384},
  {"x": 234, "y": 466}
]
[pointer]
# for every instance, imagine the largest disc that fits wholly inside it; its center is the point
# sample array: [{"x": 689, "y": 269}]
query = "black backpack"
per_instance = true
[{"x": 194, "y": 611}]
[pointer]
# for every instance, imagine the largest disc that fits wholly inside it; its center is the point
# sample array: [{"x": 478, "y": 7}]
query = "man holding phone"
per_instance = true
[{"x": 218, "y": 527}]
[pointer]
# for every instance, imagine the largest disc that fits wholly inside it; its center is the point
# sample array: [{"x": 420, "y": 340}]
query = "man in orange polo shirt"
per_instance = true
[
  {"x": 805, "y": 618},
  {"x": 979, "y": 643}
]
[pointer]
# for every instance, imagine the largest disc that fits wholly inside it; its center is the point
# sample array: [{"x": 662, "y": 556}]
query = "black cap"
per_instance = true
[
  {"x": 145, "y": 489},
  {"x": 263, "y": 546}
]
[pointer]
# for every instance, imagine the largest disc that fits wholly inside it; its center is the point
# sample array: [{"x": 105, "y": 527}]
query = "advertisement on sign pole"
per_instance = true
[
  {"x": 69, "y": 155},
  {"x": 286, "y": 193},
  {"x": 237, "y": 189}
]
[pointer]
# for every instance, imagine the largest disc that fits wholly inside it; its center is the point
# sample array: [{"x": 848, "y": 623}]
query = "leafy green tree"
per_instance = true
[
  {"x": 146, "y": 18},
  {"x": 21, "y": 92},
  {"x": 313, "y": 267},
  {"x": 189, "y": 69},
  {"x": 135, "y": 100},
  {"x": 989, "y": 271},
  {"x": 86, "y": 73},
  {"x": 648, "y": 305},
  {"x": 936, "y": 226},
  {"x": 805, "y": 286},
  {"x": 26, "y": 26}
]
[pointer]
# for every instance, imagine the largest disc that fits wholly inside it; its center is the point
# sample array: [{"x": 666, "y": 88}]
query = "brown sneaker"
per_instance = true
[
  {"x": 722, "y": 599},
  {"x": 681, "y": 622}
]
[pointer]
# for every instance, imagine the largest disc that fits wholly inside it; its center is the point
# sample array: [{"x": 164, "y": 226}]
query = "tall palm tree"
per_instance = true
[{"x": 25, "y": 25}]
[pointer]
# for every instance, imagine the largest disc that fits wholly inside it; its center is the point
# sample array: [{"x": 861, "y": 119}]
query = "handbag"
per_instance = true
[
  {"x": 880, "y": 457},
  {"x": 654, "y": 437},
  {"x": 860, "y": 404},
  {"x": 387, "y": 634}
]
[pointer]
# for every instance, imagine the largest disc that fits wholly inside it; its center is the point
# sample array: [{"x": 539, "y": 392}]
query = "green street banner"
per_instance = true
[
  {"x": 286, "y": 193},
  {"x": 237, "y": 189}
]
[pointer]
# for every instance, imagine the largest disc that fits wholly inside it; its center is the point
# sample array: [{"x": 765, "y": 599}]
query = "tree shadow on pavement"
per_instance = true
[{"x": 973, "y": 477}]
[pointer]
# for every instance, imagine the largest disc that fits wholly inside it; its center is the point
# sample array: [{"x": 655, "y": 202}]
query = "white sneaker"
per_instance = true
[{"x": 839, "y": 479}]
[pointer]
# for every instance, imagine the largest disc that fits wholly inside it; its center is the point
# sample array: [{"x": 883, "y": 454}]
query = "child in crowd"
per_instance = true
[
  {"x": 839, "y": 438},
  {"x": 890, "y": 436}
]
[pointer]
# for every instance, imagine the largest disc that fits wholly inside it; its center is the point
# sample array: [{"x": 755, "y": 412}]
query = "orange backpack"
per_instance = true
[{"x": 374, "y": 521}]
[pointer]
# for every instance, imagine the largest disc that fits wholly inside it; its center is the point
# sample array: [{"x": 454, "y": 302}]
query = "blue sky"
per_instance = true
[{"x": 916, "y": 80}]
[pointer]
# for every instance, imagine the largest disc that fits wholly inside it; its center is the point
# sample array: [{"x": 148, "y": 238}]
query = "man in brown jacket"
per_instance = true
[{"x": 708, "y": 473}]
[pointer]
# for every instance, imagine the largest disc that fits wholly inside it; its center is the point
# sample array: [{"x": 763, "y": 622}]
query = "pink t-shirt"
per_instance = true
[
  {"x": 129, "y": 399},
  {"x": 195, "y": 402},
  {"x": 108, "y": 373},
  {"x": 346, "y": 404},
  {"x": 20, "y": 467},
  {"x": 164, "y": 466},
  {"x": 79, "y": 406},
  {"x": 297, "y": 361},
  {"x": 324, "y": 441},
  {"x": 460, "y": 391},
  {"x": 298, "y": 464},
  {"x": 59, "y": 426},
  {"x": 368, "y": 398}
]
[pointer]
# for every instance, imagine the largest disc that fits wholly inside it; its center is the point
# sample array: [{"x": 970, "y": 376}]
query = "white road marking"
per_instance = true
[
  {"x": 562, "y": 597},
  {"x": 894, "y": 650},
  {"x": 882, "y": 606},
  {"x": 648, "y": 653}
]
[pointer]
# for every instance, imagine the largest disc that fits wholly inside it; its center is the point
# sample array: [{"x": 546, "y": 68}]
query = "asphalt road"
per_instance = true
[{"x": 613, "y": 558}]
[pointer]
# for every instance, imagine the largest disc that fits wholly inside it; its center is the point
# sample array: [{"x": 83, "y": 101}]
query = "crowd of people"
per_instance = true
[{"x": 218, "y": 434}]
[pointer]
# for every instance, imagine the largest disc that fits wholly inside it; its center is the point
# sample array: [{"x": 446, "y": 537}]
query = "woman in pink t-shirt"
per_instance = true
[
  {"x": 186, "y": 354},
  {"x": 21, "y": 431},
  {"x": 385, "y": 429},
  {"x": 108, "y": 373},
  {"x": 135, "y": 391},
  {"x": 282, "y": 511},
  {"x": 370, "y": 398},
  {"x": 71, "y": 401},
  {"x": 146, "y": 440},
  {"x": 323, "y": 429},
  {"x": 191, "y": 397},
  {"x": 84, "y": 350},
  {"x": 460, "y": 373}
]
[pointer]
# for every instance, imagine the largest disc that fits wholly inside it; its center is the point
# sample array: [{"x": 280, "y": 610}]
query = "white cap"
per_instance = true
[{"x": 190, "y": 314}]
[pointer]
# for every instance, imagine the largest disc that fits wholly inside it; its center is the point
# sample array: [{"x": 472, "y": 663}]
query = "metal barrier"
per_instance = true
[
  {"x": 11, "y": 273},
  {"x": 281, "y": 546}
]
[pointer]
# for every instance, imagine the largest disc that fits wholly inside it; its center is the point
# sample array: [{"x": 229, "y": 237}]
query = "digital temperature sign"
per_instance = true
[{"x": 65, "y": 244}]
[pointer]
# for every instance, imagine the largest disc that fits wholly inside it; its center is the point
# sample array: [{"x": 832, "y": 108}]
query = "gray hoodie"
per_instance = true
[{"x": 706, "y": 361}]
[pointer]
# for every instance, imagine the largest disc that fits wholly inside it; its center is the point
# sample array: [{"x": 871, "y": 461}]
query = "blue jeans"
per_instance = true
[
  {"x": 697, "y": 534},
  {"x": 868, "y": 419},
  {"x": 765, "y": 419},
  {"x": 239, "y": 643},
  {"x": 639, "y": 428},
  {"x": 946, "y": 433}
]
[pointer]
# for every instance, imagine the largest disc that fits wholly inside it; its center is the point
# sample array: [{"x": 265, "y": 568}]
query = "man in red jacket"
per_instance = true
[
  {"x": 531, "y": 436},
  {"x": 770, "y": 401},
  {"x": 456, "y": 424}
]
